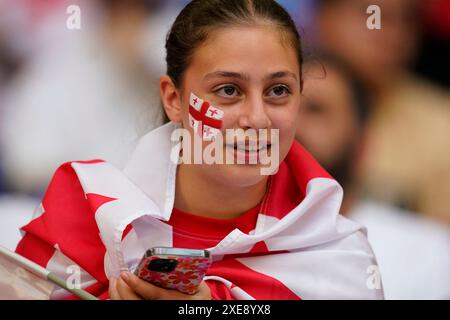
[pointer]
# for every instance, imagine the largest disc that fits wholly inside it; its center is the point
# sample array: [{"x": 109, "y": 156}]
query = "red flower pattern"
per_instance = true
[{"x": 183, "y": 277}]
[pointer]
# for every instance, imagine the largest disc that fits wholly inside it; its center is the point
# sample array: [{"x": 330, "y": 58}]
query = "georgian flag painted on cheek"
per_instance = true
[
  {"x": 195, "y": 102},
  {"x": 103, "y": 219},
  {"x": 205, "y": 119},
  {"x": 214, "y": 113}
]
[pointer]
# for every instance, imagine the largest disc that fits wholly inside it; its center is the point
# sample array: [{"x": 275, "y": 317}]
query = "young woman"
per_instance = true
[{"x": 273, "y": 236}]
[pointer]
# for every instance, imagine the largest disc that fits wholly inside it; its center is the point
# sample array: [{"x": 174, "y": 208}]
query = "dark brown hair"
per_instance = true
[{"x": 194, "y": 23}]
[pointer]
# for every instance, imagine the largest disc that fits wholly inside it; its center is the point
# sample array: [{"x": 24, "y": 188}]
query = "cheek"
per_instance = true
[
  {"x": 203, "y": 117},
  {"x": 286, "y": 123},
  {"x": 230, "y": 119}
]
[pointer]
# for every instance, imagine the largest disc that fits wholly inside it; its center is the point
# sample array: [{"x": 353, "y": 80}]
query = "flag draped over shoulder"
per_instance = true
[{"x": 102, "y": 219}]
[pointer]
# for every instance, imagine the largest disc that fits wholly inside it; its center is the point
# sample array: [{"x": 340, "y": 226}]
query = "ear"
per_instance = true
[{"x": 171, "y": 98}]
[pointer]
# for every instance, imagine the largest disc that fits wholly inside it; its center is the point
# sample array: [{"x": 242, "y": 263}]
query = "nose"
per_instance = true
[{"x": 253, "y": 114}]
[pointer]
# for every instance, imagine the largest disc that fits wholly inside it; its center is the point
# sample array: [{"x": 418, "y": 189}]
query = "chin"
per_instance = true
[{"x": 239, "y": 175}]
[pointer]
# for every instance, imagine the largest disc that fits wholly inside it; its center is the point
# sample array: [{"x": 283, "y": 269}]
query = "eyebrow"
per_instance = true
[{"x": 242, "y": 76}]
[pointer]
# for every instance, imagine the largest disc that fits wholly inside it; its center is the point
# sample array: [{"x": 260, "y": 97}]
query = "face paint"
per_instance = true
[{"x": 205, "y": 119}]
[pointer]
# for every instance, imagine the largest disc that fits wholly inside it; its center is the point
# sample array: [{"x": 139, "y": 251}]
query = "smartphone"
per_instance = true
[{"x": 174, "y": 268}]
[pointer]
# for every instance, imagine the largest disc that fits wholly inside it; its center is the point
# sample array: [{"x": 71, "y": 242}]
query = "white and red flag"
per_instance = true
[
  {"x": 103, "y": 219},
  {"x": 205, "y": 119}
]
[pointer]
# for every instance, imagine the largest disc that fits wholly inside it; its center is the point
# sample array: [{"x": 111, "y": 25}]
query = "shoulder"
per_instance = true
[{"x": 66, "y": 222}]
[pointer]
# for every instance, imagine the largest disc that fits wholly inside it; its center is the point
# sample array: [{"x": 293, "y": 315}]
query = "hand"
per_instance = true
[{"x": 130, "y": 287}]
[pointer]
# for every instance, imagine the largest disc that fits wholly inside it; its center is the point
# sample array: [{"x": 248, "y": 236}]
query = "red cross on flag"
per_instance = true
[
  {"x": 205, "y": 119},
  {"x": 195, "y": 102}
]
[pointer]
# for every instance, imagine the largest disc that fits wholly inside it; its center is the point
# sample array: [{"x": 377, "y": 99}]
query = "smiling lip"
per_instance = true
[
  {"x": 249, "y": 147},
  {"x": 247, "y": 152}
]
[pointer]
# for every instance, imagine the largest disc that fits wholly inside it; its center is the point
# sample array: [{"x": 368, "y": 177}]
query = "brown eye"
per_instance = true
[
  {"x": 279, "y": 91},
  {"x": 227, "y": 91}
]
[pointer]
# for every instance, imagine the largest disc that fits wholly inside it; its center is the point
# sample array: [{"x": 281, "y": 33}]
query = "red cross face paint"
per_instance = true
[{"x": 205, "y": 119}]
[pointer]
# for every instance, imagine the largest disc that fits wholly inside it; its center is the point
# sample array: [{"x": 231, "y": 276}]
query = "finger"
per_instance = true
[
  {"x": 112, "y": 290},
  {"x": 151, "y": 292},
  {"x": 146, "y": 290},
  {"x": 125, "y": 292},
  {"x": 204, "y": 292}
]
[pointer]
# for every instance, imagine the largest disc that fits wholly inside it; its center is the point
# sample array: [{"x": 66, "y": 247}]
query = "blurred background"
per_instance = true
[{"x": 375, "y": 111}]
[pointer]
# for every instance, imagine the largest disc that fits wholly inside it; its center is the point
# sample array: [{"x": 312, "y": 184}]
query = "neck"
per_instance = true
[{"x": 197, "y": 195}]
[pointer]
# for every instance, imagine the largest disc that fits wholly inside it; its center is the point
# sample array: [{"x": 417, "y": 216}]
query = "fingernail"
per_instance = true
[{"x": 125, "y": 275}]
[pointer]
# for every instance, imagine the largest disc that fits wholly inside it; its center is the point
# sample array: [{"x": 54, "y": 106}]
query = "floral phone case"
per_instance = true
[{"x": 174, "y": 268}]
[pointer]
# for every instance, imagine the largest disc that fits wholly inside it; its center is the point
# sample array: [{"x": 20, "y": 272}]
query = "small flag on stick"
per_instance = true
[{"x": 22, "y": 279}]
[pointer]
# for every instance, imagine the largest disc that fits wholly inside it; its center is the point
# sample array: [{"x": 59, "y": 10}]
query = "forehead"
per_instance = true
[{"x": 256, "y": 50}]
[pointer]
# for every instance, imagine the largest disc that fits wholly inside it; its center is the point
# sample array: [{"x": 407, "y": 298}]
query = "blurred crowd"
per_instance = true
[{"x": 375, "y": 111}]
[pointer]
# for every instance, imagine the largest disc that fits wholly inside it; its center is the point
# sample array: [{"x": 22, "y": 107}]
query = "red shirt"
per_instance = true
[{"x": 198, "y": 232}]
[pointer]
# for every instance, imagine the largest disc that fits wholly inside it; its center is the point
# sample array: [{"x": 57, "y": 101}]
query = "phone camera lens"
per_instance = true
[{"x": 163, "y": 265}]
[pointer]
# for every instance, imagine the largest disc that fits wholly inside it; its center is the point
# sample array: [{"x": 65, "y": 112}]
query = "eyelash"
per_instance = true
[
  {"x": 224, "y": 87},
  {"x": 286, "y": 88}
]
